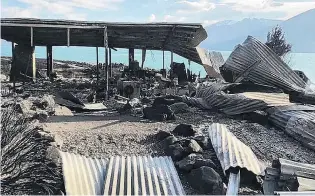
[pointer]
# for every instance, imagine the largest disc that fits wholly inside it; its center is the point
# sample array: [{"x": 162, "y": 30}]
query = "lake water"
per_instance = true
[{"x": 154, "y": 59}]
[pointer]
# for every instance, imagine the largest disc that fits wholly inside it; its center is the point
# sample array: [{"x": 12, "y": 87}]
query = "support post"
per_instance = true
[
  {"x": 110, "y": 63},
  {"x": 33, "y": 63},
  {"x": 32, "y": 36},
  {"x": 50, "y": 61},
  {"x": 106, "y": 61},
  {"x": 97, "y": 68},
  {"x": 131, "y": 55},
  {"x": 68, "y": 37},
  {"x": 172, "y": 60},
  {"x": 163, "y": 60},
  {"x": 13, "y": 67},
  {"x": 143, "y": 57}
]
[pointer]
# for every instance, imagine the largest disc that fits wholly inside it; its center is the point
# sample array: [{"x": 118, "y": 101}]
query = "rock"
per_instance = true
[
  {"x": 180, "y": 107},
  {"x": 161, "y": 135},
  {"x": 170, "y": 140},
  {"x": 48, "y": 103},
  {"x": 203, "y": 162},
  {"x": 184, "y": 130},
  {"x": 163, "y": 101},
  {"x": 160, "y": 113},
  {"x": 58, "y": 142},
  {"x": 194, "y": 147},
  {"x": 41, "y": 115},
  {"x": 202, "y": 141},
  {"x": 176, "y": 151},
  {"x": 184, "y": 142},
  {"x": 188, "y": 162},
  {"x": 206, "y": 180},
  {"x": 24, "y": 106}
]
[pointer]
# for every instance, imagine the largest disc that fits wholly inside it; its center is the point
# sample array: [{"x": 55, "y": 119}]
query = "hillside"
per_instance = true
[{"x": 299, "y": 31}]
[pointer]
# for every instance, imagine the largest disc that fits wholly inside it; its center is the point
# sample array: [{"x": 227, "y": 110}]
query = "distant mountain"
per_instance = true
[{"x": 299, "y": 31}]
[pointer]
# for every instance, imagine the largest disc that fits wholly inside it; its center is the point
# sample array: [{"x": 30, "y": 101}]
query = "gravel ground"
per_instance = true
[{"x": 104, "y": 136}]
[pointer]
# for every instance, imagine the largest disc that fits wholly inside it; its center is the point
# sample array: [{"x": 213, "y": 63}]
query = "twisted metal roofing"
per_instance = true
[
  {"x": 216, "y": 96},
  {"x": 231, "y": 152},
  {"x": 256, "y": 62},
  {"x": 120, "y": 176},
  {"x": 296, "y": 121}
]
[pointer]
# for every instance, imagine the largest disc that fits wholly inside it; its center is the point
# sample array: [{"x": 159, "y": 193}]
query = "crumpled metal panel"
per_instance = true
[
  {"x": 299, "y": 122},
  {"x": 288, "y": 167},
  {"x": 211, "y": 62},
  {"x": 256, "y": 62},
  {"x": 83, "y": 176},
  {"x": 234, "y": 184},
  {"x": 120, "y": 176},
  {"x": 231, "y": 152},
  {"x": 215, "y": 97}
]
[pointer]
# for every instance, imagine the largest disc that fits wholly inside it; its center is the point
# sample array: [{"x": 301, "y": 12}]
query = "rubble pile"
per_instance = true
[{"x": 193, "y": 156}]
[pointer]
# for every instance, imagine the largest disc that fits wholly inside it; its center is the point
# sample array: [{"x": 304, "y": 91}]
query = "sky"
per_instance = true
[{"x": 206, "y": 12}]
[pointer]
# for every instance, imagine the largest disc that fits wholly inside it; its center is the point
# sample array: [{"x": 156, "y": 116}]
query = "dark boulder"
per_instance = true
[
  {"x": 184, "y": 130},
  {"x": 206, "y": 180},
  {"x": 161, "y": 135},
  {"x": 164, "y": 101},
  {"x": 187, "y": 164},
  {"x": 176, "y": 151},
  {"x": 204, "y": 162},
  {"x": 170, "y": 140},
  {"x": 160, "y": 113}
]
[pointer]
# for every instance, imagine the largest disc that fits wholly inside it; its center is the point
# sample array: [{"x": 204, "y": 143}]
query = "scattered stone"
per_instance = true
[
  {"x": 53, "y": 155},
  {"x": 206, "y": 180},
  {"x": 170, "y": 140},
  {"x": 160, "y": 113},
  {"x": 41, "y": 115},
  {"x": 161, "y": 135},
  {"x": 202, "y": 141},
  {"x": 187, "y": 164},
  {"x": 204, "y": 162},
  {"x": 184, "y": 130},
  {"x": 179, "y": 107},
  {"x": 194, "y": 147},
  {"x": 176, "y": 151}
]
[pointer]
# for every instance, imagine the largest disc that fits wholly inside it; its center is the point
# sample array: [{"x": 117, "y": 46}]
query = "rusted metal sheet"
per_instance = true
[
  {"x": 296, "y": 121},
  {"x": 120, "y": 176},
  {"x": 256, "y": 62},
  {"x": 231, "y": 152}
]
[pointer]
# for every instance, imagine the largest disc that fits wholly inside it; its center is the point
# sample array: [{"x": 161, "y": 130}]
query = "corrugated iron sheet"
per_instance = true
[
  {"x": 256, "y": 62},
  {"x": 295, "y": 193},
  {"x": 288, "y": 167},
  {"x": 211, "y": 61},
  {"x": 216, "y": 96},
  {"x": 234, "y": 184},
  {"x": 231, "y": 152},
  {"x": 120, "y": 176},
  {"x": 298, "y": 122}
]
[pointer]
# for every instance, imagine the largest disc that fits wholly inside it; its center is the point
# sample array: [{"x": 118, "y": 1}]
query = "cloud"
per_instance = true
[
  {"x": 58, "y": 8},
  {"x": 152, "y": 18},
  {"x": 170, "y": 18},
  {"x": 289, "y": 9},
  {"x": 196, "y": 6},
  {"x": 209, "y": 22}
]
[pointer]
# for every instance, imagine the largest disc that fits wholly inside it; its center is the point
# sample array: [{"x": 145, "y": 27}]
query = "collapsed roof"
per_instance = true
[{"x": 181, "y": 38}]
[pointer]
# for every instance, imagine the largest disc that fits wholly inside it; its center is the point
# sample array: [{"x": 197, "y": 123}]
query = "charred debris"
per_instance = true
[{"x": 253, "y": 84}]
